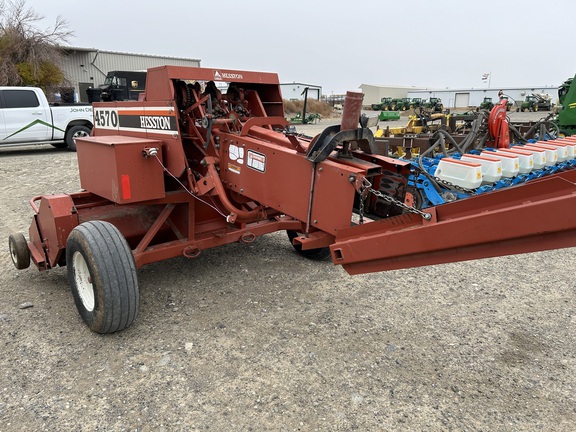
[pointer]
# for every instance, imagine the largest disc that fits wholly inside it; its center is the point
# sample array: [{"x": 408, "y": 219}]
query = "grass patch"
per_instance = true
[{"x": 314, "y": 106}]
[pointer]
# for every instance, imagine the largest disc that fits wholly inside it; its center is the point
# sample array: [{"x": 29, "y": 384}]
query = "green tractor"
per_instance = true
[
  {"x": 393, "y": 106},
  {"x": 383, "y": 105},
  {"x": 417, "y": 103},
  {"x": 434, "y": 105},
  {"x": 487, "y": 104},
  {"x": 536, "y": 102},
  {"x": 403, "y": 104}
]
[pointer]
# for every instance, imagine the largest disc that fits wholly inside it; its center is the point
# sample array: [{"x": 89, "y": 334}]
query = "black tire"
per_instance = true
[
  {"x": 102, "y": 275},
  {"x": 19, "y": 251},
  {"x": 319, "y": 254},
  {"x": 73, "y": 133}
]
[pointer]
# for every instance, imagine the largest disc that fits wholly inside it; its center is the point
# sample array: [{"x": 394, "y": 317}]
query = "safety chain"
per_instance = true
[
  {"x": 367, "y": 186},
  {"x": 400, "y": 204},
  {"x": 453, "y": 186}
]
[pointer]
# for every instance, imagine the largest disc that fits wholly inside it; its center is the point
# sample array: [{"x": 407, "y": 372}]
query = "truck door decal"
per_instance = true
[{"x": 29, "y": 125}]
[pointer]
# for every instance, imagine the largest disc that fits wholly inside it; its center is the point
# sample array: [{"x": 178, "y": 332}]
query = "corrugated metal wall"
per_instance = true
[
  {"x": 374, "y": 94},
  {"x": 84, "y": 67}
]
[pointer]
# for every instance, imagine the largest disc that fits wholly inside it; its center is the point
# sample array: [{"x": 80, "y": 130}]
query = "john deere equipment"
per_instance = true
[
  {"x": 487, "y": 103},
  {"x": 403, "y": 104},
  {"x": 566, "y": 119},
  {"x": 383, "y": 105},
  {"x": 536, "y": 102},
  {"x": 435, "y": 105}
]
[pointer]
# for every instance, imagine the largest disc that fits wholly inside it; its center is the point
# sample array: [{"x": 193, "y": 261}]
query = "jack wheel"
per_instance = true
[
  {"x": 102, "y": 275},
  {"x": 319, "y": 254},
  {"x": 19, "y": 251}
]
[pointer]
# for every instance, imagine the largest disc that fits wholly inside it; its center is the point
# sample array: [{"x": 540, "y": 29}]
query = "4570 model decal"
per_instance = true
[{"x": 160, "y": 120}]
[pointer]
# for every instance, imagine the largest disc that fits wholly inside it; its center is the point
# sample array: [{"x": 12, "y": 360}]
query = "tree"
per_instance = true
[{"x": 29, "y": 55}]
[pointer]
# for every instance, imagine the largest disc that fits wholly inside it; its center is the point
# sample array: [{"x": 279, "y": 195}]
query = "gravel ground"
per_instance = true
[{"x": 253, "y": 337}]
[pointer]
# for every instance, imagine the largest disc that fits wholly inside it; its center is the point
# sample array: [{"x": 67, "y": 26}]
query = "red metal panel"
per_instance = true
[
  {"x": 510, "y": 221},
  {"x": 56, "y": 218},
  {"x": 333, "y": 196},
  {"x": 280, "y": 178},
  {"x": 114, "y": 167}
]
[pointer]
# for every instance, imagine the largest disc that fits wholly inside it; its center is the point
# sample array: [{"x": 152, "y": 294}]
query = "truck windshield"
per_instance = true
[{"x": 114, "y": 80}]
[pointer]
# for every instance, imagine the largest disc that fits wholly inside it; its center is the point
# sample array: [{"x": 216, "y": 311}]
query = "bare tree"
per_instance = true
[{"x": 29, "y": 55}]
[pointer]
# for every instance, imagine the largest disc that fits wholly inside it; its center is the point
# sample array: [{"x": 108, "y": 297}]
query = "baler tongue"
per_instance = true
[{"x": 505, "y": 222}]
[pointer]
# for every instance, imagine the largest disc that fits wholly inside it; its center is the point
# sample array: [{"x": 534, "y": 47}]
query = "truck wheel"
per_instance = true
[
  {"x": 102, "y": 275},
  {"x": 319, "y": 254},
  {"x": 74, "y": 132},
  {"x": 19, "y": 251}
]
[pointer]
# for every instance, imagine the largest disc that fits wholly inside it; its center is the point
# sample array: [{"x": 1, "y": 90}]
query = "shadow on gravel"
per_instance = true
[{"x": 40, "y": 149}]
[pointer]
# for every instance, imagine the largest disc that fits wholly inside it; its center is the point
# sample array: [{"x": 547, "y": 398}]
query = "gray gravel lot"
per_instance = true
[{"x": 253, "y": 337}]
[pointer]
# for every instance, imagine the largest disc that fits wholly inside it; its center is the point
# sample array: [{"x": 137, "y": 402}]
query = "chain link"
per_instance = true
[
  {"x": 453, "y": 186},
  {"x": 400, "y": 204},
  {"x": 365, "y": 185}
]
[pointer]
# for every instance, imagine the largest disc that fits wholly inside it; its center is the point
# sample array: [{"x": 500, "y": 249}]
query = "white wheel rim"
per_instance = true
[
  {"x": 83, "y": 281},
  {"x": 13, "y": 252},
  {"x": 79, "y": 134}
]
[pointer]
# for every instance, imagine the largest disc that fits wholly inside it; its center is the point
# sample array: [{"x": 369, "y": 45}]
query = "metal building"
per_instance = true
[
  {"x": 87, "y": 67},
  {"x": 373, "y": 94},
  {"x": 473, "y": 97},
  {"x": 295, "y": 91}
]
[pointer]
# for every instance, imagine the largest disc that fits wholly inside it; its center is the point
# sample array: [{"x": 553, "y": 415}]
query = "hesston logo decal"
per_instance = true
[
  {"x": 155, "y": 122},
  {"x": 219, "y": 76}
]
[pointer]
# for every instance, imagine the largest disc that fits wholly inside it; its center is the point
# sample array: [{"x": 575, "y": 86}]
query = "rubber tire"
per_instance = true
[
  {"x": 319, "y": 254},
  {"x": 19, "y": 251},
  {"x": 73, "y": 133},
  {"x": 112, "y": 276}
]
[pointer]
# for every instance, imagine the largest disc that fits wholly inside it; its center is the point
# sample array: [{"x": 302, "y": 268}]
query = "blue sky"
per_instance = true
[{"x": 341, "y": 44}]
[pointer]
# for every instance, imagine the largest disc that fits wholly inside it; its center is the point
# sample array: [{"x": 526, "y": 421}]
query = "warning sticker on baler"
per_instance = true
[{"x": 256, "y": 161}]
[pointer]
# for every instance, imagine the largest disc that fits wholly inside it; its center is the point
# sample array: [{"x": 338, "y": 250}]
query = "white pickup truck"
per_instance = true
[{"x": 26, "y": 117}]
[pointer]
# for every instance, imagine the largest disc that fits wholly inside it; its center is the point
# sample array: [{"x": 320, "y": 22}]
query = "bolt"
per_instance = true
[
  {"x": 315, "y": 220},
  {"x": 320, "y": 169}
]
